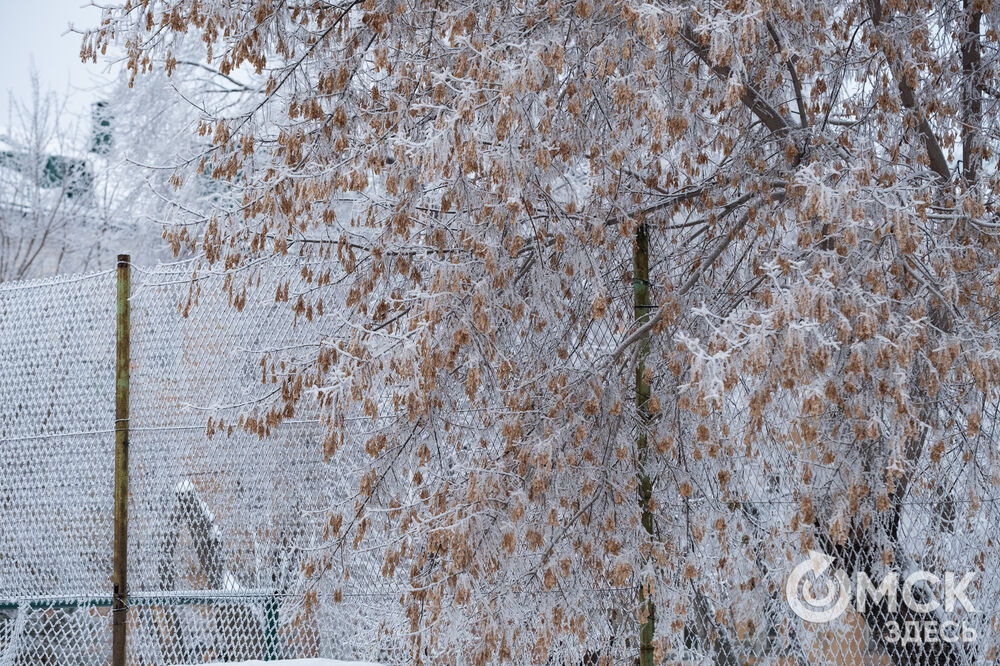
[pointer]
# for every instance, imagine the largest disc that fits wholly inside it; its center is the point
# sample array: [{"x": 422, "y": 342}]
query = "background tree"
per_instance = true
[
  {"x": 153, "y": 135},
  {"x": 76, "y": 191},
  {"x": 46, "y": 189},
  {"x": 467, "y": 184}
]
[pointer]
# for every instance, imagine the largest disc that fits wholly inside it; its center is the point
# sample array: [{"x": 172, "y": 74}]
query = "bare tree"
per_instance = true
[{"x": 46, "y": 190}]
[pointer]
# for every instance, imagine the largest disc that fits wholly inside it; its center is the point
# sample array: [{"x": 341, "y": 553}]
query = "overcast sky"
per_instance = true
[{"x": 38, "y": 30}]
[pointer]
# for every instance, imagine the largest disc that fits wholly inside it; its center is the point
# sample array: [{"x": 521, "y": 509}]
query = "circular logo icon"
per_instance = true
[{"x": 801, "y": 592}]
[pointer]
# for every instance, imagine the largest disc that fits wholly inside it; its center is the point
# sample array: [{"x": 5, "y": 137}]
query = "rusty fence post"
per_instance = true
[
  {"x": 643, "y": 305},
  {"x": 119, "y": 604}
]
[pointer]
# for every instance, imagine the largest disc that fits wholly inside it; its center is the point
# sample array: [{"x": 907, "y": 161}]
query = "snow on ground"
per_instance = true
[{"x": 295, "y": 662}]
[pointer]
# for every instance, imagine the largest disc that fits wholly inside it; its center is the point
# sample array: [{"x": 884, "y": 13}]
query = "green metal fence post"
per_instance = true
[
  {"x": 119, "y": 607},
  {"x": 640, "y": 289},
  {"x": 271, "y": 629}
]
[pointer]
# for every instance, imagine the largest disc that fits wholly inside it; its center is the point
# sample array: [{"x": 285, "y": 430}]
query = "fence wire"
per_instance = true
[
  {"x": 216, "y": 525},
  {"x": 220, "y": 526}
]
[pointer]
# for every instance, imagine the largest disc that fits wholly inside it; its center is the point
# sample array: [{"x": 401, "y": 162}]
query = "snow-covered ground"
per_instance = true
[{"x": 296, "y": 662}]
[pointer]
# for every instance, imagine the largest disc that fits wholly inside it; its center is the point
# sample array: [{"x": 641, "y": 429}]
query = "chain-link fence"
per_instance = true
[
  {"x": 216, "y": 524},
  {"x": 222, "y": 521}
]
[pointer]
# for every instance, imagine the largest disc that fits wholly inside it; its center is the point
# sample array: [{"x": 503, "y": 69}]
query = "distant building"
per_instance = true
[{"x": 62, "y": 213}]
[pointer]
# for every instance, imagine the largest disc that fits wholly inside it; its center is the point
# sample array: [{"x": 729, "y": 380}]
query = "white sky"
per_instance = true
[{"x": 38, "y": 30}]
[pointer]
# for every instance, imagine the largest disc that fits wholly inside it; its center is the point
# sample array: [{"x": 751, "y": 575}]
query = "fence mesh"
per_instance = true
[
  {"x": 56, "y": 426},
  {"x": 221, "y": 521},
  {"x": 216, "y": 523}
]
